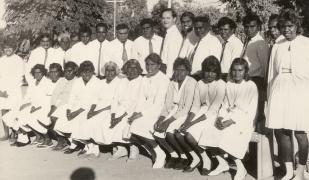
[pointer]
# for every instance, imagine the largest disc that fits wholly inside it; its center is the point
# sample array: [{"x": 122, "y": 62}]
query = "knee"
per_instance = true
[{"x": 302, "y": 139}]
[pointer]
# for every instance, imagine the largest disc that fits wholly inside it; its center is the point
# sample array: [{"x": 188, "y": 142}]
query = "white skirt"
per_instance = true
[
  {"x": 225, "y": 139},
  {"x": 288, "y": 103},
  {"x": 144, "y": 126}
]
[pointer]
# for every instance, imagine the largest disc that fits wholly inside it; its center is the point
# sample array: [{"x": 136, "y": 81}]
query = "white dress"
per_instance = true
[
  {"x": 288, "y": 85},
  {"x": 240, "y": 104},
  {"x": 207, "y": 100},
  {"x": 151, "y": 101},
  {"x": 82, "y": 96},
  {"x": 177, "y": 104}
]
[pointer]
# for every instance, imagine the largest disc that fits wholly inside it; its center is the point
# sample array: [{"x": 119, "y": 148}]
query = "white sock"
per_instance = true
[
  {"x": 222, "y": 161},
  {"x": 239, "y": 164},
  {"x": 183, "y": 156},
  {"x": 73, "y": 145},
  {"x": 23, "y": 138},
  {"x": 195, "y": 159},
  {"x": 289, "y": 171},
  {"x": 159, "y": 163},
  {"x": 95, "y": 149},
  {"x": 206, "y": 161},
  {"x": 88, "y": 148},
  {"x": 174, "y": 154}
]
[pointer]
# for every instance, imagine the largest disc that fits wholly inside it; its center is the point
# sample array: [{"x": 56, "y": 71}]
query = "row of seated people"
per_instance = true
[{"x": 182, "y": 123}]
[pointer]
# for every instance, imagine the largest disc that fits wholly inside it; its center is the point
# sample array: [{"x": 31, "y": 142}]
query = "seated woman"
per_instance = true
[
  {"x": 151, "y": 100},
  {"x": 179, "y": 99},
  {"x": 60, "y": 98},
  {"x": 93, "y": 132},
  {"x": 123, "y": 106},
  {"x": 208, "y": 97},
  {"x": 34, "y": 106},
  {"x": 235, "y": 121},
  {"x": 84, "y": 91}
]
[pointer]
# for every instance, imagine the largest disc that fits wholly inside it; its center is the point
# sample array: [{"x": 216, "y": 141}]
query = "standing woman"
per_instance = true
[
  {"x": 208, "y": 97},
  {"x": 235, "y": 121},
  {"x": 288, "y": 84}
]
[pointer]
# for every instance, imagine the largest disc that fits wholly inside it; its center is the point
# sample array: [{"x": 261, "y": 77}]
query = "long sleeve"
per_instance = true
[
  {"x": 168, "y": 100},
  {"x": 189, "y": 96},
  {"x": 217, "y": 100},
  {"x": 196, "y": 106}
]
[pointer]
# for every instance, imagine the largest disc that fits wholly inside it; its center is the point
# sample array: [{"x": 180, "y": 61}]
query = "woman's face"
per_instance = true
[
  {"x": 86, "y": 75},
  {"x": 37, "y": 74},
  {"x": 152, "y": 68},
  {"x": 238, "y": 73},
  {"x": 54, "y": 74},
  {"x": 69, "y": 73},
  {"x": 132, "y": 71},
  {"x": 289, "y": 30},
  {"x": 110, "y": 73},
  {"x": 209, "y": 76},
  {"x": 180, "y": 73}
]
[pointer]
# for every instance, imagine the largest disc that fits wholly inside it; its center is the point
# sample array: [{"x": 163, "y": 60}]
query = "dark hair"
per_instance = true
[
  {"x": 41, "y": 67},
  {"x": 273, "y": 17},
  {"x": 154, "y": 58},
  {"x": 101, "y": 25},
  {"x": 122, "y": 26},
  {"x": 182, "y": 61},
  {"x": 85, "y": 29},
  {"x": 146, "y": 21},
  {"x": 225, "y": 20},
  {"x": 85, "y": 66},
  {"x": 204, "y": 19},
  {"x": 57, "y": 66},
  {"x": 45, "y": 35},
  {"x": 211, "y": 64},
  {"x": 124, "y": 68},
  {"x": 71, "y": 64},
  {"x": 290, "y": 15},
  {"x": 243, "y": 62},
  {"x": 252, "y": 17},
  {"x": 174, "y": 14},
  {"x": 187, "y": 14}
]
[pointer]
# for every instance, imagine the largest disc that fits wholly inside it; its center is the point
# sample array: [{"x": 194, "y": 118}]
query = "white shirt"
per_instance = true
[
  {"x": 188, "y": 45},
  {"x": 232, "y": 50},
  {"x": 79, "y": 53},
  {"x": 116, "y": 50},
  {"x": 37, "y": 56},
  {"x": 104, "y": 55},
  {"x": 209, "y": 45},
  {"x": 171, "y": 47},
  {"x": 140, "y": 49},
  {"x": 257, "y": 55}
]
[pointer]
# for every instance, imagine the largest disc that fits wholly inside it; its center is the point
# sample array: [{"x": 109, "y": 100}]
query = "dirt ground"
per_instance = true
[{"x": 31, "y": 163}]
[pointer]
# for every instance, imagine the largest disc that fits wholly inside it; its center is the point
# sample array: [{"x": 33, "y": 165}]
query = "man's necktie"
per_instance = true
[
  {"x": 150, "y": 47},
  {"x": 222, "y": 52},
  {"x": 245, "y": 47},
  {"x": 124, "y": 53},
  {"x": 99, "y": 60},
  {"x": 194, "y": 51},
  {"x": 46, "y": 56}
]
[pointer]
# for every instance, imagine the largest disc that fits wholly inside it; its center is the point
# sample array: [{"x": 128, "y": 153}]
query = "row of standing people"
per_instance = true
[{"x": 200, "y": 43}]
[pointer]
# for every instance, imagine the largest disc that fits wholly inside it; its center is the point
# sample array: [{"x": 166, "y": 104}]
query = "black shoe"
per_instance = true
[
  {"x": 205, "y": 172},
  {"x": 171, "y": 162},
  {"x": 191, "y": 169},
  {"x": 20, "y": 144},
  {"x": 70, "y": 151},
  {"x": 181, "y": 164}
]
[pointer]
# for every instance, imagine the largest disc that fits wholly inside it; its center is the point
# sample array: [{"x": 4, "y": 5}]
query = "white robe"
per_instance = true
[
  {"x": 240, "y": 104},
  {"x": 207, "y": 100},
  {"x": 150, "y": 104}
]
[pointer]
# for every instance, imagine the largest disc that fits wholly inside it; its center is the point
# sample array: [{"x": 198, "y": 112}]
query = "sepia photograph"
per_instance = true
[{"x": 154, "y": 89}]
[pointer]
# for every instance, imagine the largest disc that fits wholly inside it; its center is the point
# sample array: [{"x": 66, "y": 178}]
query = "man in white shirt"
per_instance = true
[
  {"x": 207, "y": 45},
  {"x": 256, "y": 52},
  {"x": 44, "y": 54},
  {"x": 146, "y": 44},
  {"x": 99, "y": 47},
  {"x": 120, "y": 48},
  {"x": 80, "y": 51},
  {"x": 189, "y": 36},
  {"x": 231, "y": 45},
  {"x": 172, "y": 41}
]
